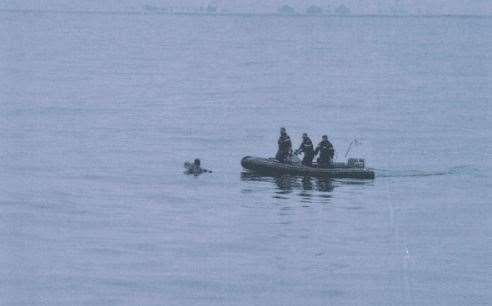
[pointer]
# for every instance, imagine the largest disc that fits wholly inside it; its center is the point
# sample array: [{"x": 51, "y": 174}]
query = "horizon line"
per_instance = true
[{"x": 239, "y": 14}]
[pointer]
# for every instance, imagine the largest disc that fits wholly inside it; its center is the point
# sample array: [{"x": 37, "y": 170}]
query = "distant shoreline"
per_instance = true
[{"x": 237, "y": 14}]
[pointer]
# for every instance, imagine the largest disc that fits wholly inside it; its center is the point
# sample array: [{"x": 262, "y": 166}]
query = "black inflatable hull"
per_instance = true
[{"x": 274, "y": 167}]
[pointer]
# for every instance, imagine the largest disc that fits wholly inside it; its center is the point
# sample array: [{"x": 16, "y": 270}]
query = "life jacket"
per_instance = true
[
  {"x": 326, "y": 150},
  {"x": 307, "y": 146},
  {"x": 284, "y": 143}
]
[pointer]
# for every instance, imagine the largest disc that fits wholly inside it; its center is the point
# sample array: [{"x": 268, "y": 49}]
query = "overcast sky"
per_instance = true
[{"x": 357, "y": 6}]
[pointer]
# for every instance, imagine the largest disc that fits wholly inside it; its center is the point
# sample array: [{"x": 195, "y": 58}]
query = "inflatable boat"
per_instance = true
[{"x": 354, "y": 168}]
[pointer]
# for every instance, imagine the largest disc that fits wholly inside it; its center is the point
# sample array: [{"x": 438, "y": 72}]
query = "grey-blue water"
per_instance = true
[{"x": 99, "y": 112}]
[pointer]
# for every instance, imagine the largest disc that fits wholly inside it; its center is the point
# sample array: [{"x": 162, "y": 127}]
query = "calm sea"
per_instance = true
[{"x": 99, "y": 111}]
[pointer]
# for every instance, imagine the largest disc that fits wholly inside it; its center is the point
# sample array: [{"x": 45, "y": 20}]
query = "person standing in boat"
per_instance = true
[
  {"x": 308, "y": 149},
  {"x": 284, "y": 146},
  {"x": 326, "y": 152}
]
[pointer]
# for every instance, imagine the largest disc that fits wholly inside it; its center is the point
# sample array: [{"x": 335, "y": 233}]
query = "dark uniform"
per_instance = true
[
  {"x": 308, "y": 149},
  {"x": 284, "y": 147},
  {"x": 326, "y": 153}
]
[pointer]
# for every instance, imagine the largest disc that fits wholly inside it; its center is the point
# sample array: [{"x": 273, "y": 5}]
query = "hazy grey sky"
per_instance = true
[{"x": 358, "y": 6}]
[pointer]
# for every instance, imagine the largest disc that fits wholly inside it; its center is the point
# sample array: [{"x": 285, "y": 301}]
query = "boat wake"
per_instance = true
[{"x": 458, "y": 170}]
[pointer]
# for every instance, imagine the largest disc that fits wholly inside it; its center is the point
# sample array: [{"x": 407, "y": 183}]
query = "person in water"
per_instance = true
[
  {"x": 308, "y": 149},
  {"x": 284, "y": 146},
  {"x": 326, "y": 152},
  {"x": 195, "y": 168}
]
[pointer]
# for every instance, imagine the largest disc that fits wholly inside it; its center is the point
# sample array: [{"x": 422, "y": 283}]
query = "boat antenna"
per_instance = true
[{"x": 353, "y": 142}]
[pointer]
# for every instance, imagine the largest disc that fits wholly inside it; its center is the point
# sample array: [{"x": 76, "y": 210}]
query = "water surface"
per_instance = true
[{"x": 99, "y": 112}]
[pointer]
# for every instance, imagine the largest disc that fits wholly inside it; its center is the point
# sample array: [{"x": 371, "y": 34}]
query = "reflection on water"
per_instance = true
[
  {"x": 287, "y": 184},
  {"x": 307, "y": 183}
]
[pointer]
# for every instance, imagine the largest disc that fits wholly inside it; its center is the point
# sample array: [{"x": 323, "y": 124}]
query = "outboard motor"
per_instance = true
[{"x": 356, "y": 163}]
